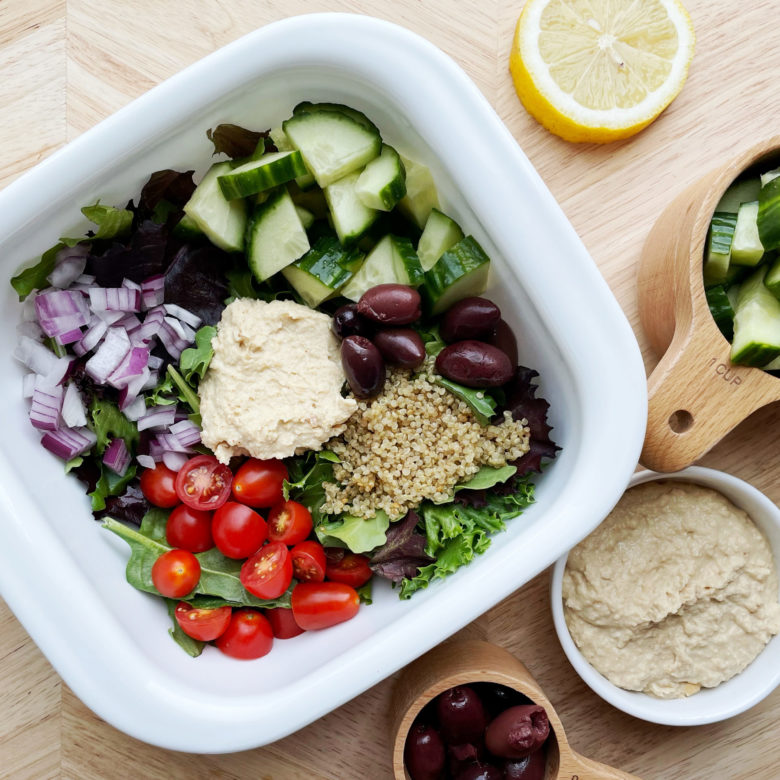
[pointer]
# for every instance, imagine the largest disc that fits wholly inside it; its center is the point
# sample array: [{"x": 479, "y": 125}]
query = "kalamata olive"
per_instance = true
[
  {"x": 390, "y": 304},
  {"x": 497, "y": 698},
  {"x": 469, "y": 318},
  {"x": 401, "y": 347},
  {"x": 518, "y": 731},
  {"x": 531, "y": 767},
  {"x": 503, "y": 338},
  {"x": 347, "y": 322},
  {"x": 460, "y": 755},
  {"x": 474, "y": 364},
  {"x": 479, "y": 771},
  {"x": 363, "y": 366},
  {"x": 424, "y": 753},
  {"x": 461, "y": 715}
]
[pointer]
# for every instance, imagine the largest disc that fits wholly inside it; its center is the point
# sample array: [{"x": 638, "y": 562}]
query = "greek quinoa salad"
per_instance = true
[{"x": 282, "y": 383}]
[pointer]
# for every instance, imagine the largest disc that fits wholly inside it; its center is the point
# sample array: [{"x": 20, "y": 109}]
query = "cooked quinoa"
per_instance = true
[{"x": 414, "y": 441}]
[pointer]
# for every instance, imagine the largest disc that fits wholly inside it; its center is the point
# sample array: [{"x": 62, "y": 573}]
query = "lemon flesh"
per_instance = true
[{"x": 600, "y": 70}]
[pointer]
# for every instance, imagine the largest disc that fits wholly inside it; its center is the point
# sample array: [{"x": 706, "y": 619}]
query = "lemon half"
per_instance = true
[{"x": 600, "y": 70}]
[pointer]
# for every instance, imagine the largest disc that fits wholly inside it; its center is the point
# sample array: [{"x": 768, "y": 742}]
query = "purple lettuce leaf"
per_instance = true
[
  {"x": 195, "y": 280},
  {"x": 403, "y": 553},
  {"x": 234, "y": 141}
]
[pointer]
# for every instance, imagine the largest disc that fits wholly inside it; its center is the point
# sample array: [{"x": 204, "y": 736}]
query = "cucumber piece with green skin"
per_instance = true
[
  {"x": 263, "y": 174},
  {"x": 312, "y": 108},
  {"x": 332, "y": 144},
  {"x": 323, "y": 270},
  {"x": 223, "y": 221},
  {"x": 756, "y": 323},
  {"x": 461, "y": 272},
  {"x": 742, "y": 191},
  {"x": 275, "y": 236},
  {"x": 746, "y": 246},
  {"x": 382, "y": 182},
  {"x": 440, "y": 234},
  {"x": 312, "y": 199},
  {"x": 421, "y": 195},
  {"x": 351, "y": 217},
  {"x": 280, "y": 140},
  {"x": 722, "y": 310},
  {"x": 718, "y": 252},
  {"x": 768, "y": 219},
  {"x": 772, "y": 278},
  {"x": 769, "y": 175},
  {"x": 306, "y": 217},
  {"x": 392, "y": 260},
  {"x": 187, "y": 228}
]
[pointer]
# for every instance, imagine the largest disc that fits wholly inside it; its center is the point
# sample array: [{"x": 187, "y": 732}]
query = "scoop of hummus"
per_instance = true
[
  {"x": 273, "y": 387},
  {"x": 676, "y": 590}
]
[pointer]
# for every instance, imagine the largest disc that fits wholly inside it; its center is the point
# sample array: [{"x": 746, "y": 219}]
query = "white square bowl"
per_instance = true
[{"x": 64, "y": 577}]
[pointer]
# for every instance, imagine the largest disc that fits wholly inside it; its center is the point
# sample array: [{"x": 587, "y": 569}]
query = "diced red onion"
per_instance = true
[
  {"x": 109, "y": 355},
  {"x": 46, "y": 406},
  {"x": 61, "y": 311},
  {"x": 186, "y": 432},
  {"x": 130, "y": 391},
  {"x": 114, "y": 299},
  {"x": 174, "y": 460},
  {"x": 133, "y": 363},
  {"x": 151, "y": 325},
  {"x": 69, "y": 337},
  {"x": 28, "y": 309},
  {"x": 73, "y": 412},
  {"x": 152, "y": 381},
  {"x": 171, "y": 443},
  {"x": 92, "y": 335},
  {"x": 59, "y": 370},
  {"x": 28, "y": 385},
  {"x": 153, "y": 291},
  {"x": 86, "y": 279},
  {"x": 69, "y": 442},
  {"x": 31, "y": 329},
  {"x": 135, "y": 410},
  {"x": 117, "y": 456},
  {"x": 67, "y": 270},
  {"x": 155, "y": 362},
  {"x": 182, "y": 314},
  {"x": 110, "y": 317},
  {"x": 175, "y": 336},
  {"x": 129, "y": 322},
  {"x": 131, "y": 285},
  {"x": 146, "y": 461},
  {"x": 35, "y": 356},
  {"x": 157, "y": 417}
]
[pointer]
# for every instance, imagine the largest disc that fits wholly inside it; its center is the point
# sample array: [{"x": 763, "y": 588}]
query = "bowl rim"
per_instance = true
[{"x": 679, "y": 711}]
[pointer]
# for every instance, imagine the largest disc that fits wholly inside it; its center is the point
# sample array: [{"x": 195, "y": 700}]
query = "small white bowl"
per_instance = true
[{"x": 710, "y": 705}]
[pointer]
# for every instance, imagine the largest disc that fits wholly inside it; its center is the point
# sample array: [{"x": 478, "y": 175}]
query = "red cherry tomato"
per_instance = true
[
  {"x": 283, "y": 623},
  {"x": 323, "y": 604},
  {"x": 289, "y": 522},
  {"x": 352, "y": 570},
  {"x": 159, "y": 486},
  {"x": 189, "y": 529},
  {"x": 203, "y": 483},
  {"x": 238, "y": 530},
  {"x": 268, "y": 573},
  {"x": 308, "y": 560},
  {"x": 258, "y": 483},
  {"x": 247, "y": 636},
  {"x": 175, "y": 573},
  {"x": 203, "y": 624}
]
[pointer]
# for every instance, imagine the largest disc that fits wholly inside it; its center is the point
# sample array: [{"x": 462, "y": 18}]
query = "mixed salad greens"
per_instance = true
[{"x": 118, "y": 325}]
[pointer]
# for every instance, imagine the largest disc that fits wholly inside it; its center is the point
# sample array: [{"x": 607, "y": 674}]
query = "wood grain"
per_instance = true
[{"x": 66, "y": 65}]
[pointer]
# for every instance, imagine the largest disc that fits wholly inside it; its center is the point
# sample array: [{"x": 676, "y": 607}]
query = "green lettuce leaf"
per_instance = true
[
  {"x": 193, "y": 647},
  {"x": 34, "y": 277},
  {"x": 359, "y": 534},
  {"x": 487, "y": 477},
  {"x": 110, "y": 484},
  {"x": 111, "y": 222},
  {"x": 480, "y": 401},
  {"x": 195, "y": 360},
  {"x": 109, "y": 423},
  {"x": 307, "y": 475}
]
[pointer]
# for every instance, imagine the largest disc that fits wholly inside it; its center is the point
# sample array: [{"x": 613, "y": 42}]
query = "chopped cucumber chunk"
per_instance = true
[
  {"x": 772, "y": 278},
  {"x": 306, "y": 217},
  {"x": 742, "y": 191},
  {"x": 332, "y": 144},
  {"x": 275, "y": 236},
  {"x": 769, "y": 214},
  {"x": 756, "y": 323},
  {"x": 746, "y": 246},
  {"x": 263, "y": 174},
  {"x": 358, "y": 116},
  {"x": 769, "y": 176},
  {"x": 462, "y": 271},
  {"x": 222, "y": 220},
  {"x": 392, "y": 260},
  {"x": 421, "y": 195},
  {"x": 351, "y": 217},
  {"x": 718, "y": 253},
  {"x": 280, "y": 140},
  {"x": 722, "y": 310},
  {"x": 312, "y": 199},
  {"x": 383, "y": 181},
  {"x": 440, "y": 234},
  {"x": 187, "y": 228}
]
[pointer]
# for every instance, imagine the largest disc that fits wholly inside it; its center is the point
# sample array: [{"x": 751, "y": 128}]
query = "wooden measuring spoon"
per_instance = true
[
  {"x": 461, "y": 663},
  {"x": 695, "y": 394}
]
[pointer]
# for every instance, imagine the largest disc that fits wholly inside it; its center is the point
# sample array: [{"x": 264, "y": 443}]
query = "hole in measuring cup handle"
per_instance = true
[{"x": 681, "y": 421}]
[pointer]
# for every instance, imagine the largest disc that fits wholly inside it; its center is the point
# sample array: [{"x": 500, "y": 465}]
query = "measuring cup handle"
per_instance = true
[{"x": 580, "y": 768}]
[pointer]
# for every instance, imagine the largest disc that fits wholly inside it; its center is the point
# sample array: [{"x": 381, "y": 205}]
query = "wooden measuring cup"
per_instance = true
[
  {"x": 695, "y": 395},
  {"x": 463, "y": 662}
]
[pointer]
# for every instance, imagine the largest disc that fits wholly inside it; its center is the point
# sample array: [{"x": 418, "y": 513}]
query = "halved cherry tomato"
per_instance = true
[
  {"x": 159, "y": 486},
  {"x": 175, "y": 573},
  {"x": 189, "y": 529},
  {"x": 352, "y": 570},
  {"x": 247, "y": 636},
  {"x": 238, "y": 530},
  {"x": 203, "y": 624},
  {"x": 289, "y": 522},
  {"x": 323, "y": 604},
  {"x": 268, "y": 573},
  {"x": 258, "y": 483},
  {"x": 283, "y": 623},
  {"x": 203, "y": 483},
  {"x": 308, "y": 560}
]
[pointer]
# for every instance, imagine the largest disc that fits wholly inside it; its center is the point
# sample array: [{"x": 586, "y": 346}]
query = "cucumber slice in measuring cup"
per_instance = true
[
  {"x": 323, "y": 270},
  {"x": 383, "y": 181},
  {"x": 756, "y": 323},
  {"x": 421, "y": 195},
  {"x": 746, "y": 246},
  {"x": 351, "y": 217},
  {"x": 440, "y": 234},
  {"x": 332, "y": 143},
  {"x": 222, "y": 220},
  {"x": 462, "y": 271},
  {"x": 721, "y": 309},
  {"x": 275, "y": 236},
  {"x": 769, "y": 175},
  {"x": 741, "y": 191},
  {"x": 392, "y": 260},
  {"x": 718, "y": 252},
  {"x": 772, "y": 278},
  {"x": 768, "y": 219},
  {"x": 267, "y": 172}
]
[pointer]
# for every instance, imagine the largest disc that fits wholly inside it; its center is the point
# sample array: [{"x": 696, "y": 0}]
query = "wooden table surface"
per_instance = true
[{"x": 66, "y": 64}]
